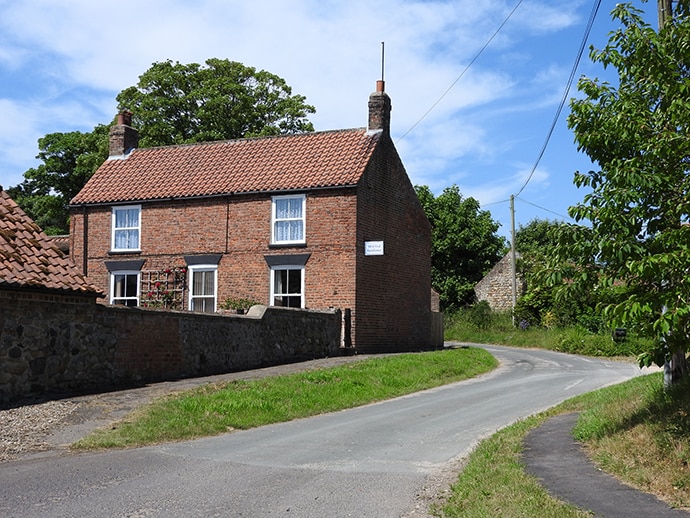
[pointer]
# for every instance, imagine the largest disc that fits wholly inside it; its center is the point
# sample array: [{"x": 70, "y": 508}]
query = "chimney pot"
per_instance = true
[
  {"x": 124, "y": 118},
  {"x": 123, "y": 138},
  {"x": 379, "y": 109}
]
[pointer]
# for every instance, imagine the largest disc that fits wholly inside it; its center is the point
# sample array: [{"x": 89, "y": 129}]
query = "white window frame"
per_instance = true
[
  {"x": 115, "y": 229},
  {"x": 273, "y": 295},
  {"x": 199, "y": 268},
  {"x": 275, "y": 219},
  {"x": 113, "y": 275}
]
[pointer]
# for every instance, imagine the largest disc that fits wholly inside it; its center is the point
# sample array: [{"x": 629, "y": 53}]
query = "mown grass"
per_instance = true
[
  {"x": 215, "y": 409},
  {"x": 634, "y": 430},
  {"x": 494, "y": 482}
]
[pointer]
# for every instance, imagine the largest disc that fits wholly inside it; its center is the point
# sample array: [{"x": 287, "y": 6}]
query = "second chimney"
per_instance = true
[{"x": 123, "y": 137}]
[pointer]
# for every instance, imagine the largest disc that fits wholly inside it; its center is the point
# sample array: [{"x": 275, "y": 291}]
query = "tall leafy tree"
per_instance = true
[
  {"x": 464, "y": 244},
  {"x": 69, "y": 160},
  {"x": 634, "y": 222},
  {"x": 533, "y": 242},
  {"x": 537, "y": 242},
  {"x": 171, "y": 104},
  {"x": 536, "y": 237},
  {"x": 175, "y": 103}
]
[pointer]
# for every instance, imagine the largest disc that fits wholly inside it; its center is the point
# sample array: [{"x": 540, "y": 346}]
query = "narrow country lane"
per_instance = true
[{"x": 370, "y": 461}]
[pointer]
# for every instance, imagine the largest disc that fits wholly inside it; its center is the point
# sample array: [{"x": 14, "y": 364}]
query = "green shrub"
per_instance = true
[
  {"x": 577, "y": 340},
  {"x": 480, "y": 315}
]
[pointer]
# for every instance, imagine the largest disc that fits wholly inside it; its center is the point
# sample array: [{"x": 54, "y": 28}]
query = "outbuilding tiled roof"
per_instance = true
[
  {"x": 29, "y": 259},
  {"x": 266, "y": 164}
]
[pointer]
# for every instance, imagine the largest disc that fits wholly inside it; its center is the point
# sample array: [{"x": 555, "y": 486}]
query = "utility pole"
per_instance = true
[
  {"x": 675, "y": 365},
  {"x": 665, "y": 12},
  {"x": 512, "y": 252}
]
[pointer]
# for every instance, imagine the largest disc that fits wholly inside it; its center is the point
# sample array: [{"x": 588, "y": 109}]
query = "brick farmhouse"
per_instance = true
[{"x": 314, "y": 220}]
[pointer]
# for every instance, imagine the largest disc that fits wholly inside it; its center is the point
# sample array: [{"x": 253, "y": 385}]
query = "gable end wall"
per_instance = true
[{"x": 393, "y": 290}]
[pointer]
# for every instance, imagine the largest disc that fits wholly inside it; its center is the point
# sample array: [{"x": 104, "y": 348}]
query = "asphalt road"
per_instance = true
[{"x": 371, "y": 461}]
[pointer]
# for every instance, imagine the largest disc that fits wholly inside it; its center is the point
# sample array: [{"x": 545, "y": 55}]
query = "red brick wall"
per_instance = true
[
  {"x": 239, "y": 228},
  {"x": 393, "y": 290}
]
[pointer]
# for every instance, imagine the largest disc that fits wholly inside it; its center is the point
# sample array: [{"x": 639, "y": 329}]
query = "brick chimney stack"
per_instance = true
[
  {"x": 123, "y": 137},
  {"x": 380, "y": 109}
]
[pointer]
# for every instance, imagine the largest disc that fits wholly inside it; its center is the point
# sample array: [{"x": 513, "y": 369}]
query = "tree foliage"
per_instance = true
[
  {"x": 464, "y": 244},
  {"x": 178, "y": 104},
  {"x": 536, "y": 237},
  {"x": 69, "y": 160},
  {"x": 171, "y": 104},
  {"x": 533, "y": 242},
  {"x": 633, "y": 224}
]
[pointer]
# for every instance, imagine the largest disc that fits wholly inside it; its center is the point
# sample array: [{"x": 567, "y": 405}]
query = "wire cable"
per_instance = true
[
  {"x": 590, "y": 23},
  {"x": 462, "y": 73},
  {"x": 544, "y": 208}
]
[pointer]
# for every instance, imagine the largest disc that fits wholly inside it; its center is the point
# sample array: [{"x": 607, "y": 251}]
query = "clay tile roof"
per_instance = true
[
  {"x": 29, "y": 259},
  {"x": 267, "y": 164}
]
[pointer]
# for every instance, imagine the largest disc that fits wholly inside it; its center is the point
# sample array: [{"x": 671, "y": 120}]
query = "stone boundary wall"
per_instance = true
[
  {"x": 497, "y": 286},
  {"x": 69, "y": 345}
]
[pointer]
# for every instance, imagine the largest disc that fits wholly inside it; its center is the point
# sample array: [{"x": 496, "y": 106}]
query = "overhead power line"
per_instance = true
[
  {"x": 544, "y": 208},
  {"x": 461, "y": 73},
  {"x": 590, "y": 23}
]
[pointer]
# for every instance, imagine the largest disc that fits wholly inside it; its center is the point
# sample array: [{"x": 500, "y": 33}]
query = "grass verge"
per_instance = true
[
  {"x": 634, "y": 430},
  {"x": 215, "y": 409},
  {"x": 498, "y": 328}
]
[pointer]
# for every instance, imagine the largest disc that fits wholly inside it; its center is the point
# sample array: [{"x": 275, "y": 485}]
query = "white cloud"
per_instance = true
[{"x": 62, "y": 63}]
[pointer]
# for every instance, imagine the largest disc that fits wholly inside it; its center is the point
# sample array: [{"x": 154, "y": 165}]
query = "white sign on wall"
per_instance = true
[{"x": 373, "y": 248}]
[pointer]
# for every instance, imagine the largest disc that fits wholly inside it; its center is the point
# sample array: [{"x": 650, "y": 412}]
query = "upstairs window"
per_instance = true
[
  {"x": 288, "y": 220},
  {"x": 126, "y": 224}
]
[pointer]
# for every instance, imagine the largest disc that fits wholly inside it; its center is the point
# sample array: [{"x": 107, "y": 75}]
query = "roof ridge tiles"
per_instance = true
[
  {"x": 273, "y": 163},
  {"x": 259, "y": 137}
]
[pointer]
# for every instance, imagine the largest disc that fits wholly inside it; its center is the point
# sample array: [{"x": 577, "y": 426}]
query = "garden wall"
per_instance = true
[{"x": 65, "y": 345}]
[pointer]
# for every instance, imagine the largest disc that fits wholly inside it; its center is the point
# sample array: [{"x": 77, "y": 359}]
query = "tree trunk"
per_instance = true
[{"x": 675, "y": 369}]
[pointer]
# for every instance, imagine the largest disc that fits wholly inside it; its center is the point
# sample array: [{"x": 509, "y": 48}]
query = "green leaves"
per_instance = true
[
  {"x": 638, "y": 204},
  {"x": 172, "y": 104},
  {"x": 464, "y": 244},
  {"x": 69, "y": 160},
  {"x": 178, "y": 104}
]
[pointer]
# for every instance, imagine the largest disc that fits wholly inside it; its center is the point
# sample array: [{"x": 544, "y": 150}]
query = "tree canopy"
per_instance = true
[
  {"x": 464, "y": 244},
  {"x": 175, "y": 103},
  {"x": 633, "y": 225},
  {"x": 69, "y": 160},
  {"x": 536, "y": 236},
  {"x": 171, "y": 104},
  {"x": 537, "y": 242}
]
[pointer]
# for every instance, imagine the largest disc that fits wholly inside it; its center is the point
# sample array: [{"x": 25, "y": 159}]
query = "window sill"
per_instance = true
[
  {"x": 124, "y": 252},
  {"x": 287, "y": 245}
]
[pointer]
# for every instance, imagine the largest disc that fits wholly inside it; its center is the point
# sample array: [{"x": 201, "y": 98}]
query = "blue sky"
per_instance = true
[{"x": 61, "y": 67}]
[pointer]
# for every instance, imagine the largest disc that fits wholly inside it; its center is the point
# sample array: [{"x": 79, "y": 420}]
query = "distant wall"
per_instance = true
[
  {"x": 56, "y": 344},
  {"x": 496, "y": 287}
]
